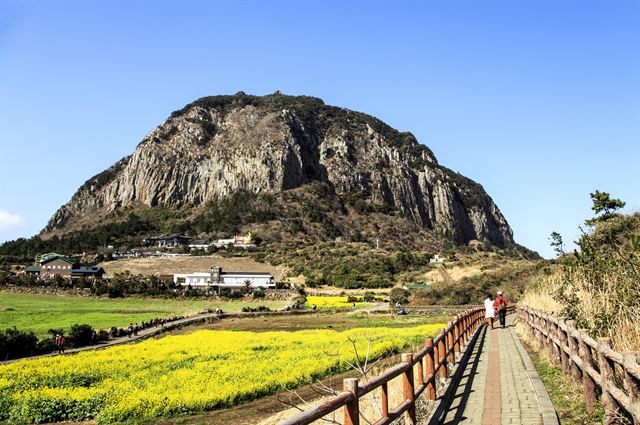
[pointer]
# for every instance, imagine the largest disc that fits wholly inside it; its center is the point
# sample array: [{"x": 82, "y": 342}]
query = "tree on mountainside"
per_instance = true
[
  {"x": 555, "y": 240},
  {"x": 602, "y": 202}
]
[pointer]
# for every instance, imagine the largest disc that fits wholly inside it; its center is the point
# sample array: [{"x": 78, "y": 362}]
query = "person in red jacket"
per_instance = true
[{"x": 500, "y": 305}]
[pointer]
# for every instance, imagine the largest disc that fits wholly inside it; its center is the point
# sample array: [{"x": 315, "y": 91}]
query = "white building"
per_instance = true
[
  {"x": 218, "y": 279},
  {"x": 225, "y": 242}
]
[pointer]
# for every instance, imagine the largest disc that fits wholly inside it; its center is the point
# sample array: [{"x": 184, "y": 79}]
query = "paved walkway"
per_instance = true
[{"x": 498, "y": 385}]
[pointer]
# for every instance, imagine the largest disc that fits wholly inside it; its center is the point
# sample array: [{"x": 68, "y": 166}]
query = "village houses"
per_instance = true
[{"x": 218, "y": 279}]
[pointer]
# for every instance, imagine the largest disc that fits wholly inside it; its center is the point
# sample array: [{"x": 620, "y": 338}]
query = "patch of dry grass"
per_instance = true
[
  {"x": 598, "y": 308},
  {"x": 600, "y": 286},
  {"x": 171, "y": 265}
]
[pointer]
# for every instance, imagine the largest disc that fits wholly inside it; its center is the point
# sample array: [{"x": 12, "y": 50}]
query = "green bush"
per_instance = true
[
  {"x": 15, "y": 344},
  {"x": 399, "y": 295},
  {"x": 80, "y": 335}
]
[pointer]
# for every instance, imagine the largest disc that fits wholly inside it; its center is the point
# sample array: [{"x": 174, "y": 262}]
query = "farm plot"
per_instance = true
[
  {"x": 183, "y": 374},
  {"x": 335, "y": 302}
]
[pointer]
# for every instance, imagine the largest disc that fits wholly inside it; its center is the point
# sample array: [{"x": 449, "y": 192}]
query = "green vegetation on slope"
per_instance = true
[
  {"x": 343, "y": 265},
  {"x": 599, "y": 286}
]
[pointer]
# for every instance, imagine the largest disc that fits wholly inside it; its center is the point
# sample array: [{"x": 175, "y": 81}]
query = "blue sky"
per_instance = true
[{"x": 538, "y": 101}]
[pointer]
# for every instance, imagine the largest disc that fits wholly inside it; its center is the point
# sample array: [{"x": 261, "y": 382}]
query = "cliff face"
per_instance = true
[{"x": 218, "y": 145}]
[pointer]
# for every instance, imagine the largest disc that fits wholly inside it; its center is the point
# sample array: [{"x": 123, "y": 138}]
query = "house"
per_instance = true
[
  {"x": 200, "y": 244},
  {"x": 216, "y": 278},
  {"x": 237, "y": 241},
  {"x": 52, "y": 264},
  {"x": 223, "y": 243},
  {"x": 87, "y": 273},
  {"x": 167, "y": 241}
]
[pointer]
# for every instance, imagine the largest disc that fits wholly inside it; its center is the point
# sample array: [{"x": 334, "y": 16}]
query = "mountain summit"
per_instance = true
[{"x": 269, "y": 145}]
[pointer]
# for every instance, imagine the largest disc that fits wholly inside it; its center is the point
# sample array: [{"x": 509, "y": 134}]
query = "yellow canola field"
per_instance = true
[
  {"x": 334, "y": 302},
  {"x": 183, "y": 374}
]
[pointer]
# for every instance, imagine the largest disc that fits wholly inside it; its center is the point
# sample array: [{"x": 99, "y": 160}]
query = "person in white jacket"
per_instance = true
[{"x": 489, "y": 310}]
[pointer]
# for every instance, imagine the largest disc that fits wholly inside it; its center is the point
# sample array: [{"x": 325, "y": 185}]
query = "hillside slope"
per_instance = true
[{"x": 350, "y": 166}]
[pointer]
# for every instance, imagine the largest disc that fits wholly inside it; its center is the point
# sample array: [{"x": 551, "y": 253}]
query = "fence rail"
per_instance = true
[
  {"x": 592, "y": 364},
  {"x": 435, "y": 359}
]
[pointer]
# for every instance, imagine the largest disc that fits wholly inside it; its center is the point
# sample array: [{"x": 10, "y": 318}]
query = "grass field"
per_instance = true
[{"x": 42, "y": 312}]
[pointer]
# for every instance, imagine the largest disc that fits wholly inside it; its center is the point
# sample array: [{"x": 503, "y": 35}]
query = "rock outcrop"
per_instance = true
[{"x": 218, "y": 145}]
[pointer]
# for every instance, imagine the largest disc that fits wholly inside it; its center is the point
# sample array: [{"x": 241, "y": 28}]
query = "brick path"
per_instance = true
[{"x": 496, "y": 386}]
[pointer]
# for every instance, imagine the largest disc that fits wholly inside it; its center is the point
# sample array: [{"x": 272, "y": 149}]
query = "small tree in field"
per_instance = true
[
  {"x": 247, "y": 286},
  {"x": 555, "y": 240}
]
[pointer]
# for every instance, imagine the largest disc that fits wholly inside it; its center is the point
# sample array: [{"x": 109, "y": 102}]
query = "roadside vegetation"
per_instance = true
[
  {"x": 599, "y": 285},
  {"x": 567, "y": 398}
]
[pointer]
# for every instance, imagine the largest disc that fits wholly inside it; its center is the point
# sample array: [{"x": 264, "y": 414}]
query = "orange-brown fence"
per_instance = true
[
  {"x": 419, "y": 371},
  {"x": 593, "y": 364}
]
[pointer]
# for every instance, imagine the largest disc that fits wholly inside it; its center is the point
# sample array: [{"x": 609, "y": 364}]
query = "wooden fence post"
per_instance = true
[
  {"x": 429, "y": 370},
  {"x": 351, "y": 409},
  {"x": 555, "y": 352},
  {"x": 384, "y": 400},
  {"x": 562, "y": 337},
  {"x": 409, "y": 390},
  {"x": 441, "y": 359},
  {"x": 630, "y": 383},
  {"x": 576, "y": 373},
  {"x": 587, "y": 381},
  {"x": 456, "y": 337},
  {"x": 451, "y": 357},
  {"x": 547, "y": 338},
  {"x": 607, "y": 380}
]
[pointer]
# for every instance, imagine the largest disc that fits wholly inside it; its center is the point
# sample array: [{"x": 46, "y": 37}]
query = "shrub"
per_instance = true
[
  {"x": 399, "y": 295},
  {"x": 15, "y": 344},
  {"x": 598, "y": 287},
  {"x": 80, "y": 335}
]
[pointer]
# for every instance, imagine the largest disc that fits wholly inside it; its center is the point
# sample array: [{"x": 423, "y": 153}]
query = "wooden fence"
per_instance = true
[
  {"x": 592, "y": 364},
  {"x": 433, "y": 360}
]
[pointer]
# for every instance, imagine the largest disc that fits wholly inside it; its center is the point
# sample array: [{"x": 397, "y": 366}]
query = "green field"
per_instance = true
[{"x": 40, "y": 313}]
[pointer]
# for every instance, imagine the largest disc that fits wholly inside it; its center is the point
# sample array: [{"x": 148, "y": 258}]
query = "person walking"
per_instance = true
[
  {"x": 500, "y": 305},
  {"x": 56, "y": 343},
  {"x": 489, "y": 310},
  {"x": 61, "y": 342}
]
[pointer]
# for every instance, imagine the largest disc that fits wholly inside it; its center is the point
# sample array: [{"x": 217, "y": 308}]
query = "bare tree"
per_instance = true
[{"x": 362, "y": 364}]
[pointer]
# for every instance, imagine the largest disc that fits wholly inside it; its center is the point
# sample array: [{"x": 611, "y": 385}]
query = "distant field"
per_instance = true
[
  {"x": 335, "y": 302},
  {"x": 42, "y": 312},
  {"x": 171, "y": 265}
]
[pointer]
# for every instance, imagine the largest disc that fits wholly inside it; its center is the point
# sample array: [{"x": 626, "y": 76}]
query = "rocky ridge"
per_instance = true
[{"x": 218, "y": 145}]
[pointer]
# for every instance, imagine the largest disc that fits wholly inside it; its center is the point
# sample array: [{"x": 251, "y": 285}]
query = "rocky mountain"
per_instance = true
[{"x": 217, "y": 146}]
